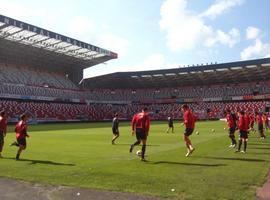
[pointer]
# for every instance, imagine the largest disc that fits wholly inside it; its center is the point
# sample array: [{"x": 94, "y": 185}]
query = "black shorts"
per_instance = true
[
  {"x": 115, "y": 131},
  {"x": 1, "y": 137},
  {"x": 171, "y": 125},
  {"x": 243, "y": 134},
  {"x": 188, "y": 131},
  {"x": 260, "y": 127},
  {"x": 231, "y": 131},
  {"x": 21, "y": 141},
  {"x": 140, "y": 134}
]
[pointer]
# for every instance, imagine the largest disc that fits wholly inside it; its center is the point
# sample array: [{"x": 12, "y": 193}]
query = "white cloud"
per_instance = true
[
  {"x": 220, "y": 7},
  {"x": 257, "y": 50},
  {"x": 229, "y": 39},
  {"x": 186, "y": 30},
  {"x": 252, "y": 33}
]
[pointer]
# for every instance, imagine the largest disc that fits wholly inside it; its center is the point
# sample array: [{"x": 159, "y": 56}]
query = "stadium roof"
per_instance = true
[
  {"x": 226, "y": 73},
  {"x": 32, "y": 45}
]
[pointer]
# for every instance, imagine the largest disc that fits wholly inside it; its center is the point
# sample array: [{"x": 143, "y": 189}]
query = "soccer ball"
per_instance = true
[
  {"x": 139, "y": 153},
  {"x": 224, "y": 129},
  {"x": 213, "y": 130},
  {"x": 197, "y": 133}
]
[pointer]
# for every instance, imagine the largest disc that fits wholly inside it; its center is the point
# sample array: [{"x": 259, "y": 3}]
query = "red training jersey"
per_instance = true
[
  {"x": 21, "y": 129},
  {"x": 231, "y": 121},
  {"x": 3, "y": 124},
  {"x": 242, "y": 123},
  {"x": 189, "y": 119},
  {"x": 141, "y": 120},
  {"x": 247, "y": 119}
]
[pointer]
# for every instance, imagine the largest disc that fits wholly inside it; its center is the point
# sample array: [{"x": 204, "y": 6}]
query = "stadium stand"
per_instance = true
[{"x": 41, "y": 73}]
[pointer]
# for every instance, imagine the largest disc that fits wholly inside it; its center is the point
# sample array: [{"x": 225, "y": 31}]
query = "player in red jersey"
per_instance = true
[
  {"x": 231, "y": 120},
  {"x": 3, "y": 130},
  {"x": 21, "y": 134},
  {"x": 247, "y": 118},
  {"x": 189, "y": 121},
  {"x": 259, "y": 120},
  {"x": 243, "y": 126},
  {"x": 140, "y": 125},
  {"x": 266, "y": 121}
]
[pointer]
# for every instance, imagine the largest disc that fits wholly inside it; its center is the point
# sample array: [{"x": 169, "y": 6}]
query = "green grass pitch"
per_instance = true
[{"x": 81, "y": 155}]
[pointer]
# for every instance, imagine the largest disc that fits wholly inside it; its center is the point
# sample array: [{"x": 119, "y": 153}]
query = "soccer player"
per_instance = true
[
  {"x": 259, "y": 119},
  {"x": 115, "y": 126},
  {"x": 3, "y": 130},
  {"x": 266, "y": 121},
  {"x": 247, "y": 118},
  {"x": 189, "y": 122},
  {"x": 21, "y": 134},
  {"x": 231, "y": 120},
  {"x": 252, "y": 120},
  {"x": 140, "y": 125},
  {"x": 243, "y": 125},
  {"x": 170, "y": 124}
]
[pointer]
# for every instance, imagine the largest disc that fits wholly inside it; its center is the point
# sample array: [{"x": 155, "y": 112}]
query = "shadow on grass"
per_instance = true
[
  {"x": 46, "y": 162},
  {"x": 189, "y": 164},
  {"x": 148, "y": 145},
  {"x": 237, "y": 159},
  {"x": 264, "y": 148},
  {"x": 259, "y": 153},
  {"x": 256, "y": 143}
]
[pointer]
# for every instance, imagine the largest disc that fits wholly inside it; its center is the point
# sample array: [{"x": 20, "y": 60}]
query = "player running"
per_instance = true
[
  {"x": 21, "y": 134},
  {"x": 170, "y": 124},
  {"x": 231, "y": 120},
  {"x": 140, "y": 125},
  {"x": 115, "y": 126},
  {"x": 3, "y": 130},
  {"x": 243, "y": 126},
  {"x": 189, "y": 121}
]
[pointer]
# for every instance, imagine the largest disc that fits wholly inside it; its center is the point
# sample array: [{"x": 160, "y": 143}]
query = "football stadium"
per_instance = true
[{"x": 72, "y": 152}]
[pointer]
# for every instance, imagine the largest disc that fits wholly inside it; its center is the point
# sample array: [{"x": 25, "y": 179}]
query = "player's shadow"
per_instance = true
[
  {"x": 46, "y": 162},
  {"x": 149, "y": 145},
  {"x": 256, "y": 143},
  {"x": 264, "y": 148},
  {"x": 237, "y": 159},
  {"x": 259, "y": 153},
  {"x": 188, "y": 164}
]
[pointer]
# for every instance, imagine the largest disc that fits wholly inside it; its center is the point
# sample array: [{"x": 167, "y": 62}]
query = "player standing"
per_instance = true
[
  {"x": 3, "y": 130},
  {"x": 259, "y": 119},
  {"x": 21, "y": 134},
  {"x": 266, "y": 121},
  {"x": 140, "y": 125},
  {"x": 170, "y": 124},
  {"x": 243, "y": 125},
  {"x": 231, "y": 120},
  {"x": 115, "y": 128},
  {"x": 189, "y": 122}
]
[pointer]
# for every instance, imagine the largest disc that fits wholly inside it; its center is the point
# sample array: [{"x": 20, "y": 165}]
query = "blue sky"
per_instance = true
[{"x": 155, "y": 34}]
